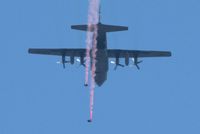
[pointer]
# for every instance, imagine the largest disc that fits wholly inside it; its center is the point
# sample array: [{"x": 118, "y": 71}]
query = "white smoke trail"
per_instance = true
[
  {"x": 88, "y": 47},
  {"x": 93, "y": 19},
  {"x": 94, "y": 50}
]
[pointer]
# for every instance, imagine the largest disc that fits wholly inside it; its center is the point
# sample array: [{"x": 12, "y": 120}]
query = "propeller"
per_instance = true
[
  {"x": 60, "y": 62},
  {"x": 136, "y": 62},
  {"x": 63, "y": 61},
  {"x": 116, "y": 64},
  {"x": 81, "y": 63}
]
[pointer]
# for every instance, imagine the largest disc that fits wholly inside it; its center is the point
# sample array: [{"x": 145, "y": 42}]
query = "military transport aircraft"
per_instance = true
[{"x": 103, "y": 53}]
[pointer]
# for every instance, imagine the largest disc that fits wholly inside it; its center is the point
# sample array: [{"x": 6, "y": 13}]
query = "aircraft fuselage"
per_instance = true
[{"x": 101, "y": 58}]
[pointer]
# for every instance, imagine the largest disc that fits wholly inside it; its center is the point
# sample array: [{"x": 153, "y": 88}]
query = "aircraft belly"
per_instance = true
[{"x": 101, "y": 67}]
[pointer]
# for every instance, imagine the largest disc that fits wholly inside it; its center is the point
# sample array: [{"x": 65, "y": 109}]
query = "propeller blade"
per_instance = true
[
  {"x": 78, "y": 60},
  {"x": 133, "y": 60},
  {"x": 112, "y": 62},
  {"x": 136, "y": 62},
  {"x": 120, "y": 65},
  {"x": 137, "y": 66},
  {"x": 115, "y": 67},
  {"x": 64, "y": 65},
  {"x": 60, "y": 62}
]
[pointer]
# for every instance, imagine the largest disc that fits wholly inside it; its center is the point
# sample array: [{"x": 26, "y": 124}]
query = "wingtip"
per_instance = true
[
  {"x": 170, "y": 54},
  {"x": 29, "y": 50},
  {"x": 72, "y": 26}
]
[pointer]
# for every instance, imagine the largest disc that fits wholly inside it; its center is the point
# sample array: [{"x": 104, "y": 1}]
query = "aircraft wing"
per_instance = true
[
  {"x": 59, "y": 52},
  {"x": 113, "y": 53}
]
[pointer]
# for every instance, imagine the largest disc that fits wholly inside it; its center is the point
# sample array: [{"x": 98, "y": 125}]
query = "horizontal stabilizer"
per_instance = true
[
  {"x": 80, "y": 27},
  {"x": 100, "y": 27}
]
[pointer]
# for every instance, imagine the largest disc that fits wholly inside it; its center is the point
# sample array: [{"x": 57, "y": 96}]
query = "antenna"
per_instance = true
[{"x": 100, "y": 14}]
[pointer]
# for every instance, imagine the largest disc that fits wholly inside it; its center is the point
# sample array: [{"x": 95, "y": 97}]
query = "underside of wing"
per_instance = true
[
  {"x": 58, "y": 52},
  {"x": 112, "y": 53}
]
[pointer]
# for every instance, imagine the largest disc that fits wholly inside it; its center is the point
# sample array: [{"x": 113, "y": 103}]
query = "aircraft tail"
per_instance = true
[{"x": 101, "y": 27}]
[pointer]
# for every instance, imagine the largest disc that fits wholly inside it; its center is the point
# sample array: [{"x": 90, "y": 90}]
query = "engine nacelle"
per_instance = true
[
  {"x": 117, "y": 60},
  {"x": 72, "y": 59},
  {"x": 63, "y": 60},
  {"x": 82, "y": 60},
  {"x": 127, "y": 60}
]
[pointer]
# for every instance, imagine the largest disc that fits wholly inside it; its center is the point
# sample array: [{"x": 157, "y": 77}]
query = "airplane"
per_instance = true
[{"x": 102, "y": 54}]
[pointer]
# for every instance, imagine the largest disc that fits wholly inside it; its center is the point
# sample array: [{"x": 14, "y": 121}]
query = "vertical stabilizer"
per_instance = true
[{"x": 99, "y": 14}]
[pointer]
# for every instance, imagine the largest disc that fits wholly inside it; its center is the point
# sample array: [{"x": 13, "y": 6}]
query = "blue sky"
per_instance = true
[{"x": 38, "y": 97}]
